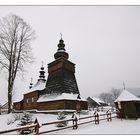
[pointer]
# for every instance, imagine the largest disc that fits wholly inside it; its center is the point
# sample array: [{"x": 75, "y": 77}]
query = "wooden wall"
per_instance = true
[
  {"x": 52, "y": 105},
  {"x": 63, "y": 104},
  {"x": 128, "y": 109},
  {"x": 32, "y": 100},
  {"x": 18, "y": 105}
]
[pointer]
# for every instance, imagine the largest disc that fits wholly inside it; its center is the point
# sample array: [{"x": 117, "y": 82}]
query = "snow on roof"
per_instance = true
[
  {"x": 5, "y": 105},
  {"x": 127, "y": 96},
  {"x": 40, "y": 85},
  {"x": 135, "y": 91},
  {"x": 18, "y": 98},
  {"x": 97, "y": 100},
  {"x": 55, "y": 97},
  {"x": 61, "y": 51}
]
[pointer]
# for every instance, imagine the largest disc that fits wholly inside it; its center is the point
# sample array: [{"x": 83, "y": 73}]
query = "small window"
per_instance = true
[
  {"x": 27, "y": 100},
  {"x": 32, "y": 99}
]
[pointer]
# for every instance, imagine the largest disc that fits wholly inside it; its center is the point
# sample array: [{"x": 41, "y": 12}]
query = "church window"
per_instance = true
[
  {"x": 27, "y": 100},
  {"x": 32, "y": 99}
]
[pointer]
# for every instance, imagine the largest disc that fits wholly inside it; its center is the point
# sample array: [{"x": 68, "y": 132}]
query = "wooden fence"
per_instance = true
[{"x": 96, "y": 118}]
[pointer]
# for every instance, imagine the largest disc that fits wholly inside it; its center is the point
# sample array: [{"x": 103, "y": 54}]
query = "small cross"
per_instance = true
[
  {"x": 31, "y": 79},
  {"x": 42, "y": 63},
  {"x": 61, "y": 35}
]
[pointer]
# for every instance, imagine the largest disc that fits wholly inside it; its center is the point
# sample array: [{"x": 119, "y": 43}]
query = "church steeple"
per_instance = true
[
  {"x": 61, "y": 78},
  {"x": 61, "y": 50},
  {"x": 31, "y": 84},
  {"x": 42, "y": 73}
]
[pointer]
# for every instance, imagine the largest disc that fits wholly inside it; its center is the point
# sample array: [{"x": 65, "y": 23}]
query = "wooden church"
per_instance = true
[{"x": 59, "y": 93}]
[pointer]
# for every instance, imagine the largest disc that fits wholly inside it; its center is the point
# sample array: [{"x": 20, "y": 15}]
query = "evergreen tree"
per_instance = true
[{"x": 26, "y": 119}]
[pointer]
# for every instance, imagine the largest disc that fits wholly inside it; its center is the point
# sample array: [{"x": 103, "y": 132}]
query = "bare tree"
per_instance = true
[
  {"x": 15, "y": 49},
  {"x": 115, "y": 93},
  {"x": 106, "y": 97},
  {"x": 111, "y": 96}
]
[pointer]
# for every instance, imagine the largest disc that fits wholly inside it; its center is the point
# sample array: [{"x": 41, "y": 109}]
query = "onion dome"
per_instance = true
[
  {"x": 61, "y": 50},
  {"x": 31, "y": 84},
  {"x": 42, "y": 73}
]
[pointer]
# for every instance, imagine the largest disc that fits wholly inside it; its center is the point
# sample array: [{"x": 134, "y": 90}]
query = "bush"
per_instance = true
[
  {"x": 26, "y": 120},
  {"x": 62, "y": 116}
]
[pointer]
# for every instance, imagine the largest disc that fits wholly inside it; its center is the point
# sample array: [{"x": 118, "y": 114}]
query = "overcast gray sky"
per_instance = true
[{"x": 103, "y": 42}]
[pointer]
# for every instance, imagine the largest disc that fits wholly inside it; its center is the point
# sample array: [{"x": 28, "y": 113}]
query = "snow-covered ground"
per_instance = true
[{"x": 117, "y": 126}]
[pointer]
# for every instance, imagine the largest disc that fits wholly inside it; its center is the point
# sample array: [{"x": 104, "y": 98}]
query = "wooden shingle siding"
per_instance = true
[
  {"x": 30, "y": 105},
  {"x": 53, "y": 105}
]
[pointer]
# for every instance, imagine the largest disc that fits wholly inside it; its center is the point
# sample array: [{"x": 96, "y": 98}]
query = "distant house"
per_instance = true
[
  {"x": 128, "y": 105},
  {"x": 95, "y": 102}
]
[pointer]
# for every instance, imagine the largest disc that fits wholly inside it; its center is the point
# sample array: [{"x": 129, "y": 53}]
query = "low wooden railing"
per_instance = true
[
  {"x": 75, "y": 123},
  {"x": 21, "y": 128}
]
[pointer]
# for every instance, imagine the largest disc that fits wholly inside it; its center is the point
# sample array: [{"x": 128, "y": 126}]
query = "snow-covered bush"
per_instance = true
[
  {"x": 62, "y": 116},
  {"x": 26, "y": 120}
]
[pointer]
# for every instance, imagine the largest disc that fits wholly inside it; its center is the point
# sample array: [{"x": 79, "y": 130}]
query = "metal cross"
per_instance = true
[
  {"x": 42, "y": 63},
  {"x": 31, "y": 79},
  {"x": 61, "y": 35}
]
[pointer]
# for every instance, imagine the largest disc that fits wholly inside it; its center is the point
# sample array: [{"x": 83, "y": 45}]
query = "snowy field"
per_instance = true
[{"x": 117, "y": 126}]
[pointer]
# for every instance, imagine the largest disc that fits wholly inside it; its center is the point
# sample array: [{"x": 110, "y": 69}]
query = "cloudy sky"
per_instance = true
[{"x": 103, "y": 42}]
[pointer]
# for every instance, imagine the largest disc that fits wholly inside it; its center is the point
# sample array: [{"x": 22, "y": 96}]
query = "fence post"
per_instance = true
[
  {"x": 110, "y": 117},
  {"x": 107, "y": 117},
  {"x": 107, "y": 114},
  {"x": 97, "y": 118},
  {"x": 75, "y": 124},
  {"x": 37, "y": 126},
  {"x": 73, "y": 115}
]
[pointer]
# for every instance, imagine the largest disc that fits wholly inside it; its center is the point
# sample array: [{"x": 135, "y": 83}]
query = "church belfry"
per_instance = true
[
  {"x": 61, "y": 50},
  {"x": 61, "y": 73},
  {"x": 31, "y": 84},
  {"x": 42, "y": 73}
]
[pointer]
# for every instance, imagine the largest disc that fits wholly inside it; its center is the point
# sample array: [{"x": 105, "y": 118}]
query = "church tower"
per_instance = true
[
  {"x": 42, "y": 74},
  {"x": 61, "y": 73}
]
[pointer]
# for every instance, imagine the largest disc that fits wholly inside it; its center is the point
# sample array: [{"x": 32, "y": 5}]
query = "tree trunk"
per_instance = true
[
  {"x": 9, "y": 103},
  {"x": 10, "y": 87}
]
